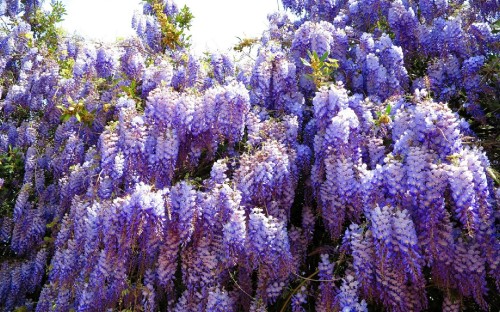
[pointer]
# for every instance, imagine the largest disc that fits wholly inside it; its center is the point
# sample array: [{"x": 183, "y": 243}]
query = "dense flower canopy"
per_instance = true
[{"x": 335, "y": 171}]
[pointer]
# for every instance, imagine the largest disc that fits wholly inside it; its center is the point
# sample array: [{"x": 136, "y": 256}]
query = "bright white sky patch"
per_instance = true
[{"x": 216, "y": 23}]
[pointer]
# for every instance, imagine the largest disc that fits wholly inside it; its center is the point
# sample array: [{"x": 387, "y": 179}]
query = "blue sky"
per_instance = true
[{"x": 216, "y": 25}]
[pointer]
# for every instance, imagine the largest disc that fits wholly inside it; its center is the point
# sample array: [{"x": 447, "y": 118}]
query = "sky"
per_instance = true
[{"x": 215, "y": 27}]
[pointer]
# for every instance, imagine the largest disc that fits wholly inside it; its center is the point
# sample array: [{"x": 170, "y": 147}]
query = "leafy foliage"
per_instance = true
[
  {"x": 44, "y": 25},
  {"x": 173, "y": 27},
  {"x": 78, "y": 110},
  {"x": 322, "y": 68},
  {"x": 11, "y": 173}
]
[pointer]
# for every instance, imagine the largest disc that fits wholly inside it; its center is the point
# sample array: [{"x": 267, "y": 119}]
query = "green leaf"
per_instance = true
[
  {"x": 305, "y": 62},
  {"x": 310, "y": 77},
  {"x": 65, "y": 117},
  {"x": 332, "y": 62},
  {"x": 53, "y": 223},
  {"x": 493, "y": 174},
  {"x": 496, "y": 26},
  {"x": 388, "y": 109},
  {"x": 48, "y": 239},
  {"x": 125, "y": 292},
  {"x": 78, "y": 117},
  {"x": 324, "y": 56}
]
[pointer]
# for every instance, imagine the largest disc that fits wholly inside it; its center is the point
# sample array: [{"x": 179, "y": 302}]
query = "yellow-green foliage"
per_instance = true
[
  {"x": 172, "y": 27},
  {"x": 322, "y": 68},
  {"x": 43, "y": 25},
  {"x": 12, "y": 171},
  {"x": 78, "y": 110}
]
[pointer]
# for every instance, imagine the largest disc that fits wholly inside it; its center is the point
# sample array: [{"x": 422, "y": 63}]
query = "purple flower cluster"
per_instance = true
[
  {"x": 273, "y": 82},
  {"x": 428, "y": 32}
]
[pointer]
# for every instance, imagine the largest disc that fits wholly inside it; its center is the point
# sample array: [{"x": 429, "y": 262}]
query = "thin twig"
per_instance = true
[
  {"x": 315, "y": 280},
  {"x": 295, "y": 290},
  {"x": 239, "y": 287}
]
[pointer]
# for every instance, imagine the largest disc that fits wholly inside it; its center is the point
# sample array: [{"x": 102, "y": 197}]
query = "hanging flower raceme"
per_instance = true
[
  {"x": 267, "y": 179},
  {"x": 273, "y": 82},
  {"x": 337, "y": 168},
  {"x": 392, "y": 240}
]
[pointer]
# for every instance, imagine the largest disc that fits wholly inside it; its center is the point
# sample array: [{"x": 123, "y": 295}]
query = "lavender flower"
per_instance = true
[{"x": 105, "y": 63}]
